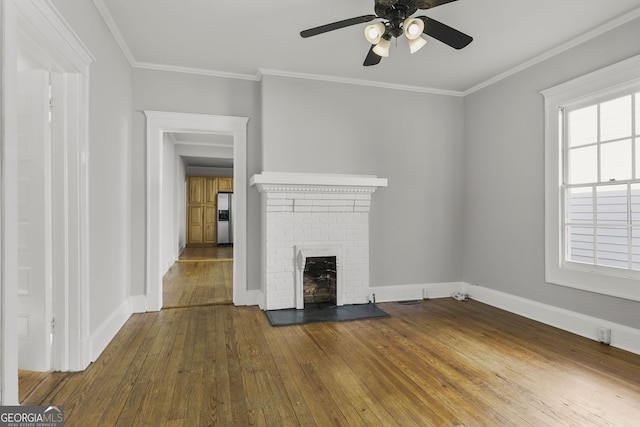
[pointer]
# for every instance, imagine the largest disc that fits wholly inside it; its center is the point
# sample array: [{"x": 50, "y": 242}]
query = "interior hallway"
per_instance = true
[{"x": 203, "y": 275}]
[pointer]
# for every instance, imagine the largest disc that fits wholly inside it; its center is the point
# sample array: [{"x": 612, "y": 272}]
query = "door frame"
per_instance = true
[
  {"x": 159, "y": 123},
  {"x": 37, "y": 25}
]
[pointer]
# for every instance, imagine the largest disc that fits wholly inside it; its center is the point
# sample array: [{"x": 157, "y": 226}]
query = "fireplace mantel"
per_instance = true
[{"x": 316, "y": 182}]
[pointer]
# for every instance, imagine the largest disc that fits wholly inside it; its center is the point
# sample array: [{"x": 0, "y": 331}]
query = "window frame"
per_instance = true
[{"x": 607, "y": 83}]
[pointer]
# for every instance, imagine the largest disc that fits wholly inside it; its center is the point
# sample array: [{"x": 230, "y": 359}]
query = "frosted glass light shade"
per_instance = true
[
  {"x": 382, "y": 48},
  {"x": 413, "y": 28},
  {"x": 374, "y": 32},
  {"x": 416, "y": 44}
]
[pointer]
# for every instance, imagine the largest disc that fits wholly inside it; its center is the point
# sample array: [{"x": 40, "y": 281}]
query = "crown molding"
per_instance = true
[
  {"x": 608, "y": 26},
  {"x": 197, "y": 71},
  {"x": 360, "y": 82},
  {"x": 111, "y": 24}
]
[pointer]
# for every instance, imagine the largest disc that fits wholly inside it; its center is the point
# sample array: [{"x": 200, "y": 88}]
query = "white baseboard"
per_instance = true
[
  {"x": 414, "y": 292},
  {"x": 109, "y": 328},
  {"x": 252, "y": 297},
  {"x": 623, "y": 337},
  {"x": 138, "y": 303}
]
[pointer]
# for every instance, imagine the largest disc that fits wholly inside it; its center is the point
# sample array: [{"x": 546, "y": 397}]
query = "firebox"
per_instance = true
[{"x": 319, "y": 280}]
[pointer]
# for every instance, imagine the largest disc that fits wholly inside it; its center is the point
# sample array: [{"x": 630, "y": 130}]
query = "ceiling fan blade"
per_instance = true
[
  {"x": 428, "y": 4},
  {"x": 445, "y": 33},
  {"x": 336, "y": 25},
  {"x": 372, "y": 58}
]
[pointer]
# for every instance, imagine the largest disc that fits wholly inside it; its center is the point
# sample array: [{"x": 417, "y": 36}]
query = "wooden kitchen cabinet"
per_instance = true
[
  {"x": 202, "y": 195},
  {"x": 225, "y": 184}
]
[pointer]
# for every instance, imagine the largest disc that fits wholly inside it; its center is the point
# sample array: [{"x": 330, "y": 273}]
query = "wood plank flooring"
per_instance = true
[
  {"x": 203, "y": 275},
  {"x": 438, "y": 362},
  {"x": 199, "y": 253},
  {"x": 196, "y": 283}
]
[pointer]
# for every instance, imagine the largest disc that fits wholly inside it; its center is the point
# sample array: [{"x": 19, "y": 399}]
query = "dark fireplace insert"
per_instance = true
[{"x": 319, "y": 280}]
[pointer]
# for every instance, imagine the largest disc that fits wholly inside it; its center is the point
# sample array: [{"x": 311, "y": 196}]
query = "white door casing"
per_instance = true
[
  {"x": 34, "y": 221},
  {"x": 37, "y": 26}
]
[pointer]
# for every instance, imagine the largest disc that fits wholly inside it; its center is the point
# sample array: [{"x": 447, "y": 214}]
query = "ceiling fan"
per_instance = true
[{"x": 396, "y": 20}]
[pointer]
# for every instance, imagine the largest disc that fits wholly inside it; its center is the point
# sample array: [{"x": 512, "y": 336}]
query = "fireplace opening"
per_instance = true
[{"x": 319, "y": 281}]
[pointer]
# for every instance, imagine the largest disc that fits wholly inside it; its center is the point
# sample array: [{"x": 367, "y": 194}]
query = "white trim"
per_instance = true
[
  {"x": 115, "y": 31},
  {"x": 138, "y": 303},
  {"x": 416, "y": 291},
  {"x": 9, "y": 212},
  {"x": 623, "y": 337},
  {"x": 358, "y": 82},
  {"x": 593, "y": 84},
  {"x": 159, "y": 122},
  {"x": 255, "y": 297},
  {"x": 104, "y": 333},
  {"x": 48, "y": 29},
  {"x": 197, "y": 71},
  {"x": 292, "y": 181},
  {"x": 39, "y": 25},
  {"x": 608, "y": 26}
]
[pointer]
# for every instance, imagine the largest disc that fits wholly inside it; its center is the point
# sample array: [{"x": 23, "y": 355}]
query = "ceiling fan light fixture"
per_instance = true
[
  {"x": 413, "y": 28},
  {"x": 382, "y": 48},
  {"x": 374, "y": 32},
  {"x": 416, "y": 44}
]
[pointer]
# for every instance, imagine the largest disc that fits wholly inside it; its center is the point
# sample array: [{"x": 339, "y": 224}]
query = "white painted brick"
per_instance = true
[{"x": 295, "y": 219}]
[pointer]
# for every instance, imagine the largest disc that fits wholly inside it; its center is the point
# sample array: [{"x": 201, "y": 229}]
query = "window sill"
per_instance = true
[{"x": 595, "y": 279}]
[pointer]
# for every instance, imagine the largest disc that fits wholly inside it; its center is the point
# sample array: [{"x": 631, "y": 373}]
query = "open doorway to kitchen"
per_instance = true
[{"x": 161, "y": 203}]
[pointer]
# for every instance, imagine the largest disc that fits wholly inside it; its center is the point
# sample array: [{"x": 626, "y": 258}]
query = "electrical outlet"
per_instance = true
[{"x": 604, "y": 335}]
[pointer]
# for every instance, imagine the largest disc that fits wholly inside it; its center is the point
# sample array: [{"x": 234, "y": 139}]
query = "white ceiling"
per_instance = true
[
  {"x": 204, "y": 150},
  {"x": 245, "y": 38}
]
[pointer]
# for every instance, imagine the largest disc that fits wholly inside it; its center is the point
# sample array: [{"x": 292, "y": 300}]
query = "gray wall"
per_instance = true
[
  {"x": 187, "y": 93},
  {"x": 109, "y": 160},
  {"x": 413, "y": 139},
  {"x": 504, "y": 179}
]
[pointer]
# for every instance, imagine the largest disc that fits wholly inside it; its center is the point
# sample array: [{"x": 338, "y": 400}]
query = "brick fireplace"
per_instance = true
[{"x": 314, "y": 215}]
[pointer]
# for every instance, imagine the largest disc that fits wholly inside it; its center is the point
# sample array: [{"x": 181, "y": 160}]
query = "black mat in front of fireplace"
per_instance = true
[{"x": 319, "y": 313}]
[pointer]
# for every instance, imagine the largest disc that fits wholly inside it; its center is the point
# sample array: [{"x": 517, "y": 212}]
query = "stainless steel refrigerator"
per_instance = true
[{"x": 225, "y": 218}]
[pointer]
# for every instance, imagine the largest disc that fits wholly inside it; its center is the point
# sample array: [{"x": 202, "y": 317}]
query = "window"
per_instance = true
[
  {"x": 601, "y": 187},
  {"x": 592, "y": 214}
]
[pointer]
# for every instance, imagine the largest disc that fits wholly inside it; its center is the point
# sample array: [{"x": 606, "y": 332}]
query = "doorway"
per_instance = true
[{"x": 159, "y": 124}]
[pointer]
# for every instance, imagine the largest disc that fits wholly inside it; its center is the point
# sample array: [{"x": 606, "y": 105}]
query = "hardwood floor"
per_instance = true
[
  {"x": 202, "y": 276},
  {"x": 438, "y": 362},
  {"x": 199, "y": 253},
  {"x": 197, "y": 283}
]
